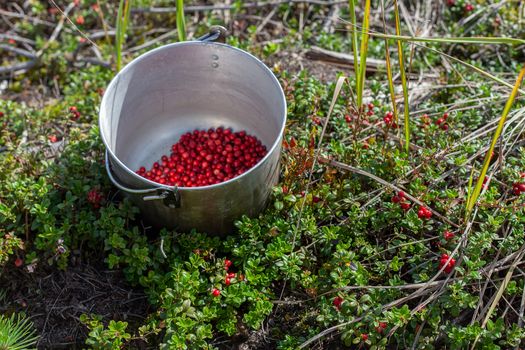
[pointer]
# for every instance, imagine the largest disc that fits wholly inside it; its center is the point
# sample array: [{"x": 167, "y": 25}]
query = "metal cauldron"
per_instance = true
[{"x": 179, "y": 88}]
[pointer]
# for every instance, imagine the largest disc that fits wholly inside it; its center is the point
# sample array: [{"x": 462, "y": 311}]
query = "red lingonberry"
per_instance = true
[
  {"x": 451, "y": 2},
  {"x": 73, "y": 109},
  {"x": 227, "y": 264},
  {"x": 215, "y": 292},
  {"x": 401, "y": 194},
  {"x": 316, "y": 199},
  {"x": 396, "y": 199},
  {"x": 364, "y": 337},
  {"x": 405, "y": 205},
  {"x": 227, "y": 281},
  {"x": 383, "y": 325},
  {"x": 445, "y": 115},
  {"x": 444, "y": 127},
  {"x": 208, "y": 157},
  {"x": 94, "y": 197},
  {"x": 231, "y": 275},
  {"x": 337, "y": 302},
  {"x": 440, "y": 121},
  {"x": 371, "y": 105},
  {"x": 447, "y": 235},
  {"x": 52, "y": 138},
  {"x": 79, "y": 20},
  {"x": 521, "y": 187},
  {"x": 19, "y": 262},
  {"x": 424, "y": 213},
  {"x": 469, "y": 7},
  {"x": 449, "y": 263}
]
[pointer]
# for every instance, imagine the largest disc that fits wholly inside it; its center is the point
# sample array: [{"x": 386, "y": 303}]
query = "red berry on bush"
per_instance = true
[
  {"x": 19, "y": 262},
  {"x": 469, "y": 7},
  {"x": 79, "y": 20},
  {"x": 215, "y": 292},
  {"x": 227, "y": 264},
  {"x": 447, "y": 235},
  {"x": 396, "y": 199},
  {"x": 424, "y": 213},
  {"x": 95, "y": 198},
  {"x": 337, "y": 302},
  {"x": 449, "y": 266},
  {"x": 444, "y": 127},
  {"x": 451, "y": 2},
  {"x": 401, "y": 194},
  {"x": 231, "y": 275},
  {"x": 227, "y": 281},
  {"x": 52, "y": 138},
  {"x": 364, "y": 337},
  {"x": 440, "y": 121},
  {"x": 405, "y": 205}
]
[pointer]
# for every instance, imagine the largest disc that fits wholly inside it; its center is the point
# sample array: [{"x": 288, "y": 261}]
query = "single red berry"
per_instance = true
[
  {"x": 387, "y": 120},
  {"x": 451, "y": 2},
  {"x": 371, "y": 105},
  {"x": 396, "y": 199},
  {"x": 521, "y": 187},
  {"x": 52, "y": 138},
  {"x": 405, "y": 205},
  {"x": 383, "y": 325},
  {"x": 227, "y": 281},
  {"x": 445, "y": 115},
  {"x": 19, "y": 262},
  {"x": 216, "y": 292},
  {"x": 444, "y": 127},
  {"x": 447, "y": 235},
  {"x": 73, "y": 109},
  {"x": 364, "y": 337},
  {"x": 516, "y": 191},
  {"x": 401, "y": 194},
  {"x": 316, "y": 199},
  {"x": 337, "y": 302},
  {"x": 231, "y": 275},
  {"x": 440, "y": 121},
  {"x": 469, "y": 7},
  {"x": 79, "y": 19}
]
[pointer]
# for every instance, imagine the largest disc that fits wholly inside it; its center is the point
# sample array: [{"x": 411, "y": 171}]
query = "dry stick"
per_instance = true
[
  {"x": 501, "y": 289},
  {"x": 385, "y": 183},
  {"x": 57, "y": 29}
]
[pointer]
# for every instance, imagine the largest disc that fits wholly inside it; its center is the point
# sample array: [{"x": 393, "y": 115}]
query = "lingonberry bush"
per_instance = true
[{"x": 369, "y": 246}]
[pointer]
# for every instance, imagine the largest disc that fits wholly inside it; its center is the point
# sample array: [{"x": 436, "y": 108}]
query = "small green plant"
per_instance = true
[
  {"x": 16, "y": 333},
  {"x": 100, "y": 338}
]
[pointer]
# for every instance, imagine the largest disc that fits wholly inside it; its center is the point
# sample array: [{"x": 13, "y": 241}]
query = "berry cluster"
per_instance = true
[
  {"x": 442, "y": 122},
  {"x": 381, "y": 327},
  {"x": 370, "y": 109},
  {"x": 95, "y": 198},
  {"x": 447, "y": 235},
  {"x": 389, "y": 120},
  {"x": 424, "y": 213},
  {"x": 401, "y": 199},
  {"x": 518, "y": 188},
  {"x": 203, "y": 158},
  {"x": 75, "y": 114},
  {"x": 449, "y": 266}
]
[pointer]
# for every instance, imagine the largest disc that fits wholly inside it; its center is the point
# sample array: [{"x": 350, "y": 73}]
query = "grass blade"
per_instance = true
[
  {"x": 353, "y": 21},
  {"x": 364, "y": 51},
  {"x": 479, "y": 183},
  {"x": 389, "y": 74},
  {"x": 451, "y": 40},
  {"x": 181, "y": 22},
  {"x": 403, "y": 78},
  {"x": 118, "y": 36}
]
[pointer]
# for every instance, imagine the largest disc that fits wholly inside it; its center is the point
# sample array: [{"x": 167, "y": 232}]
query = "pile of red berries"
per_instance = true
[
  {"x": 518, "y": 188},
  {"x": 401, "y": 199},
  {"x": 442, "y": 122},
  {"x": 424, "y": 213},
  {"x": 203, "y": 158},
  {"x": 449, "y": 263}
]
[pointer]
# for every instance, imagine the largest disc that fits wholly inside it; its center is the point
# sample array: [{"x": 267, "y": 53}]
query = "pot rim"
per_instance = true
[{"x": 276, "y": 143}]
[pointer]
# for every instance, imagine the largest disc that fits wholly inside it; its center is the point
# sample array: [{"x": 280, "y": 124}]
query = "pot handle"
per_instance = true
[
  {"x": 169, "y": 195},
  {"x": 216, "y": 34}
]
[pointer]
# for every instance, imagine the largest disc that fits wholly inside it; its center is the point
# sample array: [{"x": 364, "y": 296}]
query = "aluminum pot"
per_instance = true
[{"x": 179, "y": 88}]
